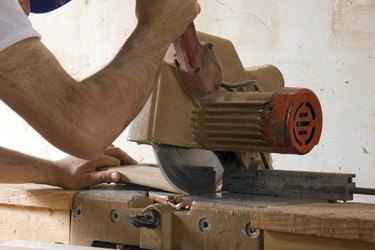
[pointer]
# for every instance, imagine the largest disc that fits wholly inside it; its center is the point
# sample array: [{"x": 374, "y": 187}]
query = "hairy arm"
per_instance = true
[
  {"x": 18, "y": 168},
  {"x": 83, "y": 118},
  {"x": 70, "y": 172}
]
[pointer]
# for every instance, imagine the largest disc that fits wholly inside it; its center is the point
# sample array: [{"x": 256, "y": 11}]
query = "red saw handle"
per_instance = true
[{"x": 198, "y": 66}]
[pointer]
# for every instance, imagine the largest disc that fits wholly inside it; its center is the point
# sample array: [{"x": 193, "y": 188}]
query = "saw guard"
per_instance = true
[{"x": 193, "y": 171}]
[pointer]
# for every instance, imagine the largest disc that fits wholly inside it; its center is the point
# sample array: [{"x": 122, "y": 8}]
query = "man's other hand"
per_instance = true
[
  {"x": 76, "y": 173},
  {"x": 169, "y": 18}
]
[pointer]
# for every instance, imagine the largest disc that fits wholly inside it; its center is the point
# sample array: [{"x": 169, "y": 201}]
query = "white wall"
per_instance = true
[{"x": 325, "y": 45}]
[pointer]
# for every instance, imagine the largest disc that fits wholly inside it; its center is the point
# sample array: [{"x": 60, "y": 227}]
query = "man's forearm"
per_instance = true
[
  {"x": 125, "y": 84},
  {"x": 82, "y": 118},
  {"x": 70, "y": 172},
  {"x": 111, "y": 98},
  {"x": 19, "y": 168}
]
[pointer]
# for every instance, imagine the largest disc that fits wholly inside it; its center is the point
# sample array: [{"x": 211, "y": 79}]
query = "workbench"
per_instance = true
[{"x": 43, "y": 213}]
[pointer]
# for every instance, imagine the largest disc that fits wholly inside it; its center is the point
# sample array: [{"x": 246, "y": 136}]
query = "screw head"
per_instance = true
[{"x": 204, "y": 225}]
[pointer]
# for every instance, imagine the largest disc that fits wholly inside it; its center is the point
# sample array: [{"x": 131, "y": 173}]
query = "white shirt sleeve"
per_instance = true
[{"x": 14, "y": 24}]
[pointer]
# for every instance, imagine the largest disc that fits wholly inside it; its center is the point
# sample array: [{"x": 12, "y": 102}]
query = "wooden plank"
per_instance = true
[
  {"x": 34, "y": 195},
  {"x": 288, "y": 241},
  {"x": 17, "y": 248},
  {"x": 149, "y": 176},
  {"x": 351, "y": 221},
  {"x": 52, "y": 246},
  {"x": 63, "y": 247},
  {"x": 49, "y": 247},
  {"x": 13, "y": 245},
  {"x": 34, "y": 224}
]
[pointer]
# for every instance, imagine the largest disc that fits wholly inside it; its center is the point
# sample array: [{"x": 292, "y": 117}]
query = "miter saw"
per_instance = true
[
  {"x": 210, "y": 120},
  {"x": 208, "y": 113}
]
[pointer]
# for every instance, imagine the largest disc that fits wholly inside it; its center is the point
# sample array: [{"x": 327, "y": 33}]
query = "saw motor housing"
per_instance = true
[{"x": 250, "y": 111}]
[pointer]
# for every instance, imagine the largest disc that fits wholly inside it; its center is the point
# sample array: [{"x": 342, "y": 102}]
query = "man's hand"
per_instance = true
[
  {"x": 169, "y": 18},
  {"x": 75, "y": 173}
]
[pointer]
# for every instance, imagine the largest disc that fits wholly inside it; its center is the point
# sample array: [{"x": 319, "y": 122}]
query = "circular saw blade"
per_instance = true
[{"x": 193, "y": 171}]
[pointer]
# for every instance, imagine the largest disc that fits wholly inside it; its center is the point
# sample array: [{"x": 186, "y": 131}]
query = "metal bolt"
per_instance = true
[
  {"x": 114, "y": 215},
  {"x": 204, "y": 225},
  {"x": 77, "y": 212},
  {"x": 251, "y": 232}
]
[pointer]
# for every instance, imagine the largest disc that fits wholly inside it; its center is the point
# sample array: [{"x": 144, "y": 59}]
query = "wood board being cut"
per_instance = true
[{"x": 145, "y": 175}]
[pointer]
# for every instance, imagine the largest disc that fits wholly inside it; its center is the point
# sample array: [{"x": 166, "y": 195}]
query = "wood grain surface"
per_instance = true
[
  {"x": 350, "y": 221},
  {"x": 35, "y": 195}
]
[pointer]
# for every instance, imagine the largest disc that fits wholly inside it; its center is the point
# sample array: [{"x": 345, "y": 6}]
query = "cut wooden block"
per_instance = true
[{"x": 150, "y": 176}]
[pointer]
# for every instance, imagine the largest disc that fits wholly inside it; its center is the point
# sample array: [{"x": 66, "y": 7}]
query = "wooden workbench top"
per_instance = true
[
  {"x": 350, "y": 221},
  {"x": 34, "y": 195}
]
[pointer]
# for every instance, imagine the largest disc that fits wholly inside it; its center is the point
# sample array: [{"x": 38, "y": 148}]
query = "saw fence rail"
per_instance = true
[{"x": 298, "y": 184}]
